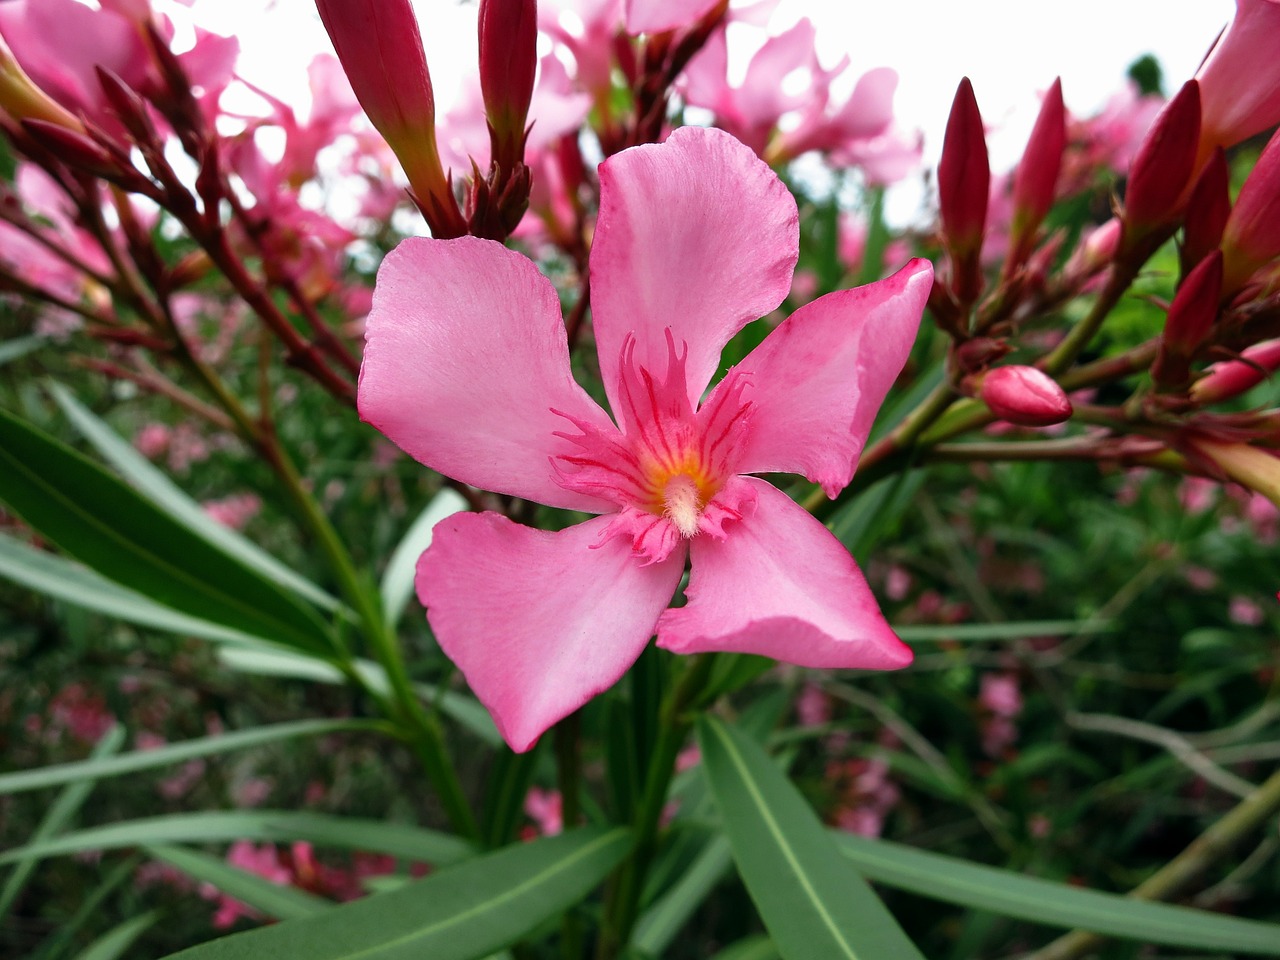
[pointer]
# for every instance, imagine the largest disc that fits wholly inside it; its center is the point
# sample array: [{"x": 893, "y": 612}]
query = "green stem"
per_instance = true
[
  {"x": 622, "y": 904},
  {"x": 1178, "y": 875}
]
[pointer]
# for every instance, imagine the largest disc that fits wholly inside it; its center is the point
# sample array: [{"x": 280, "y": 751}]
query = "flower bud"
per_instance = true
[
  {"x": 1191, "y": 317},
  {"x": 1230, "y": 378},
  {"x": 964, "y": 183},
  {"x": 378, "y": 44},
  {"x": 1240, "y": 79},
  {"x": 1025, "y": 396},
  {"x": 1251, "y": 237},
  {"x": 1207, "y": 212},
  {"x": 1163, "y": 165},
  {"x": 1036, "y": 179},
  {"x": 508, "y": 31}
]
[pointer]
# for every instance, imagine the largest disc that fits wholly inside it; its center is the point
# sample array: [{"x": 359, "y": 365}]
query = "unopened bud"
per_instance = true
[
  {"x": 1230, "y": 378},
  {"x": 1191, "y": 317},
  {"x": 1163, "y": 165},
  {"x": 378, "y": 44},
  {"x": 1036, "y": 180},
  {"x": 508, "y": 31},
  {"x": 979, "y": 353},
  {"x": 964, "y": 183},
  {"x": 1025, "y": 396},
  {"x": 1255, "y": 468},
  {"x": 1251, "y": 237},
  {"x": 1207, "y": 212}
]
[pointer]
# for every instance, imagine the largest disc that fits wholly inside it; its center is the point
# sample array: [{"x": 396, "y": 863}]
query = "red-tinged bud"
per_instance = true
[
  {"x": 128, "y": 106},
  {"x": 1251, "y": 237},
  {"x": 1256, "y": 468},
  {"x": 1191, "y": 317},
  {"x": 1095, "y": 252},
  {"x": 508, "y": 32},
  {"x": 1036, "y": 180},
  {"x": 1230, "y": 378},
  {"x": 1025, "y": 396},
  {"x": 21, "y": 99},
  {"x": 964, "y": 183},
  {"x": 1207, "y": 212},
  {"x": 72, "y": 148},
  {"x": 1163, "y": 166},
  {"x": 380, "y": 48}
]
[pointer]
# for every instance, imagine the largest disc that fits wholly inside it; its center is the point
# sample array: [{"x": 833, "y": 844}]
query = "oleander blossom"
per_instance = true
[{"x": 466, "y": 368}]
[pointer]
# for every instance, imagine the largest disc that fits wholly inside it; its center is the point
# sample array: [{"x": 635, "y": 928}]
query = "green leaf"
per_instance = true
[
  {"x": 61, "y": 773},
  {"x": 273, "y": 826},
  {"x": 59, "y": 814},
  {"x": 156, "y": 486},
  {"x": 1053, "y": 904},
  {"x": 467, "y": 711},
  {"x": 18, "y": 347},
  {"x": 273, "y": 899},
  {"x": 464, "y": 912},
  {"x": 116, "y": 941},
  {"x": 397, "y": 581},
  {"x": 658, "y": 926},
  {"x": 813, "y": 904},
  {"x": 56, "y": 944},
  {"x": 100, "y": 521},
  {"x": 1018, "y": 630},
  {"x": 65, "y": 580}
]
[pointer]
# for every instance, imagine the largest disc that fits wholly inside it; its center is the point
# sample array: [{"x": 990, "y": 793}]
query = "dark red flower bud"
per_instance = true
[
  {"x": 1191, "y": 317},
  {"x": 508, "y": 31},
  {"x": 1163, "y": 165},
  {"x": 1036, "y": 179},
  {"x": 964, "y": 183},
  {"x": 1207, "y": 212}
]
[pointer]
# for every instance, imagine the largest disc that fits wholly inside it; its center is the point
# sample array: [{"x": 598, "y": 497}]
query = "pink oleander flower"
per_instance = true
[
  {"x": 466, "y": 368},
  {"x": 1240, "y": 79}
]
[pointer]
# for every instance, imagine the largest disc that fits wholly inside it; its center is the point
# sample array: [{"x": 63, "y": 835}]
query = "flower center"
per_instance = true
[{"x": 666, "y": 462}]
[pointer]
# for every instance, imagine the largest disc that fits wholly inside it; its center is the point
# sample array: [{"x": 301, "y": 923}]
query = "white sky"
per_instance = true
[{"x": 1010, "y": 49}]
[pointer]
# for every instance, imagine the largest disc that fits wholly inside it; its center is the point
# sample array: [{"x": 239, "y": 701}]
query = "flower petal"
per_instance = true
[
  {"x": 817, "y": 381},
  {"x": 658, "y": 16},
  {"x": 539, "y": 622},
  {"x": 696, "y": 234},
  {"x": 780, "y": 585},
  {"x": 465, "y": 361}
]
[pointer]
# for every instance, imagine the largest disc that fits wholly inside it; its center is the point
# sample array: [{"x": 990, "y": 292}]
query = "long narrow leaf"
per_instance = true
[
  {"x": 116, "y": 941},
  {"x": 164, "y": 493},
  {"x": 173, "y": 753},
  {"x": 70, "y": 582},
  {"x": 274, "y": 826},
  {"x": 465, "y": 912},
  {"x": 1054, "y": 904},
  {"x": 658, "y": 926},
  {"x": 69, "y": 801},
  {"x": 11, "y": 350},
  {"x": 814, "y": 904},
  {"x": 273, "y": 899},
  {"x": 102, "y": 522},
  {"x": 397, "y": 581},
  {"x": 56, "y": 944}
]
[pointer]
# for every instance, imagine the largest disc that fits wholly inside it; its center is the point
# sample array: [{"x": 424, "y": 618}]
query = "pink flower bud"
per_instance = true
[
  {"x": 1036, "y": 180},
  {"x": 964, "y": 182},
  {"x": 508, "y": 32},
  {"x": 1207, "y": 212},
  {"x": 1163, "y": 165},
  {"x": 378, "y": 44},
  {"x": 1251, "y": 237},
  {"x": 1233, "y": 377},
  {"x": 1025, "y": 396},
  {"x": 1240, "y": 79},
  {"x": 1191, "y": 317}
]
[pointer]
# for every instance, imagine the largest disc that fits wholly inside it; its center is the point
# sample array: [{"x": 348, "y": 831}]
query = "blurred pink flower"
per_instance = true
[
  {"x": 466, "y": 368},
  {"x": 1245, "y": 612},
  {"x": 813, "y": 706},
  {"x": 233, "y": 511},
  {"x": 544, "y": 807},
  {"x": 264, "y": 861},
  {"x": 80, "y": 712}
]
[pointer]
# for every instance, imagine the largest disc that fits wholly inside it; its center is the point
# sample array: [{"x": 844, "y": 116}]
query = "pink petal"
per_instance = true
[
  {"x": 465, "y": 359},
  {"x": 696, "y": 234},
  {"x": 658, "y": 16},
  {"x": 539, "y": 622},
  {"x": 780, "y": 585},
  {"x": 817, "y": 381}
]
